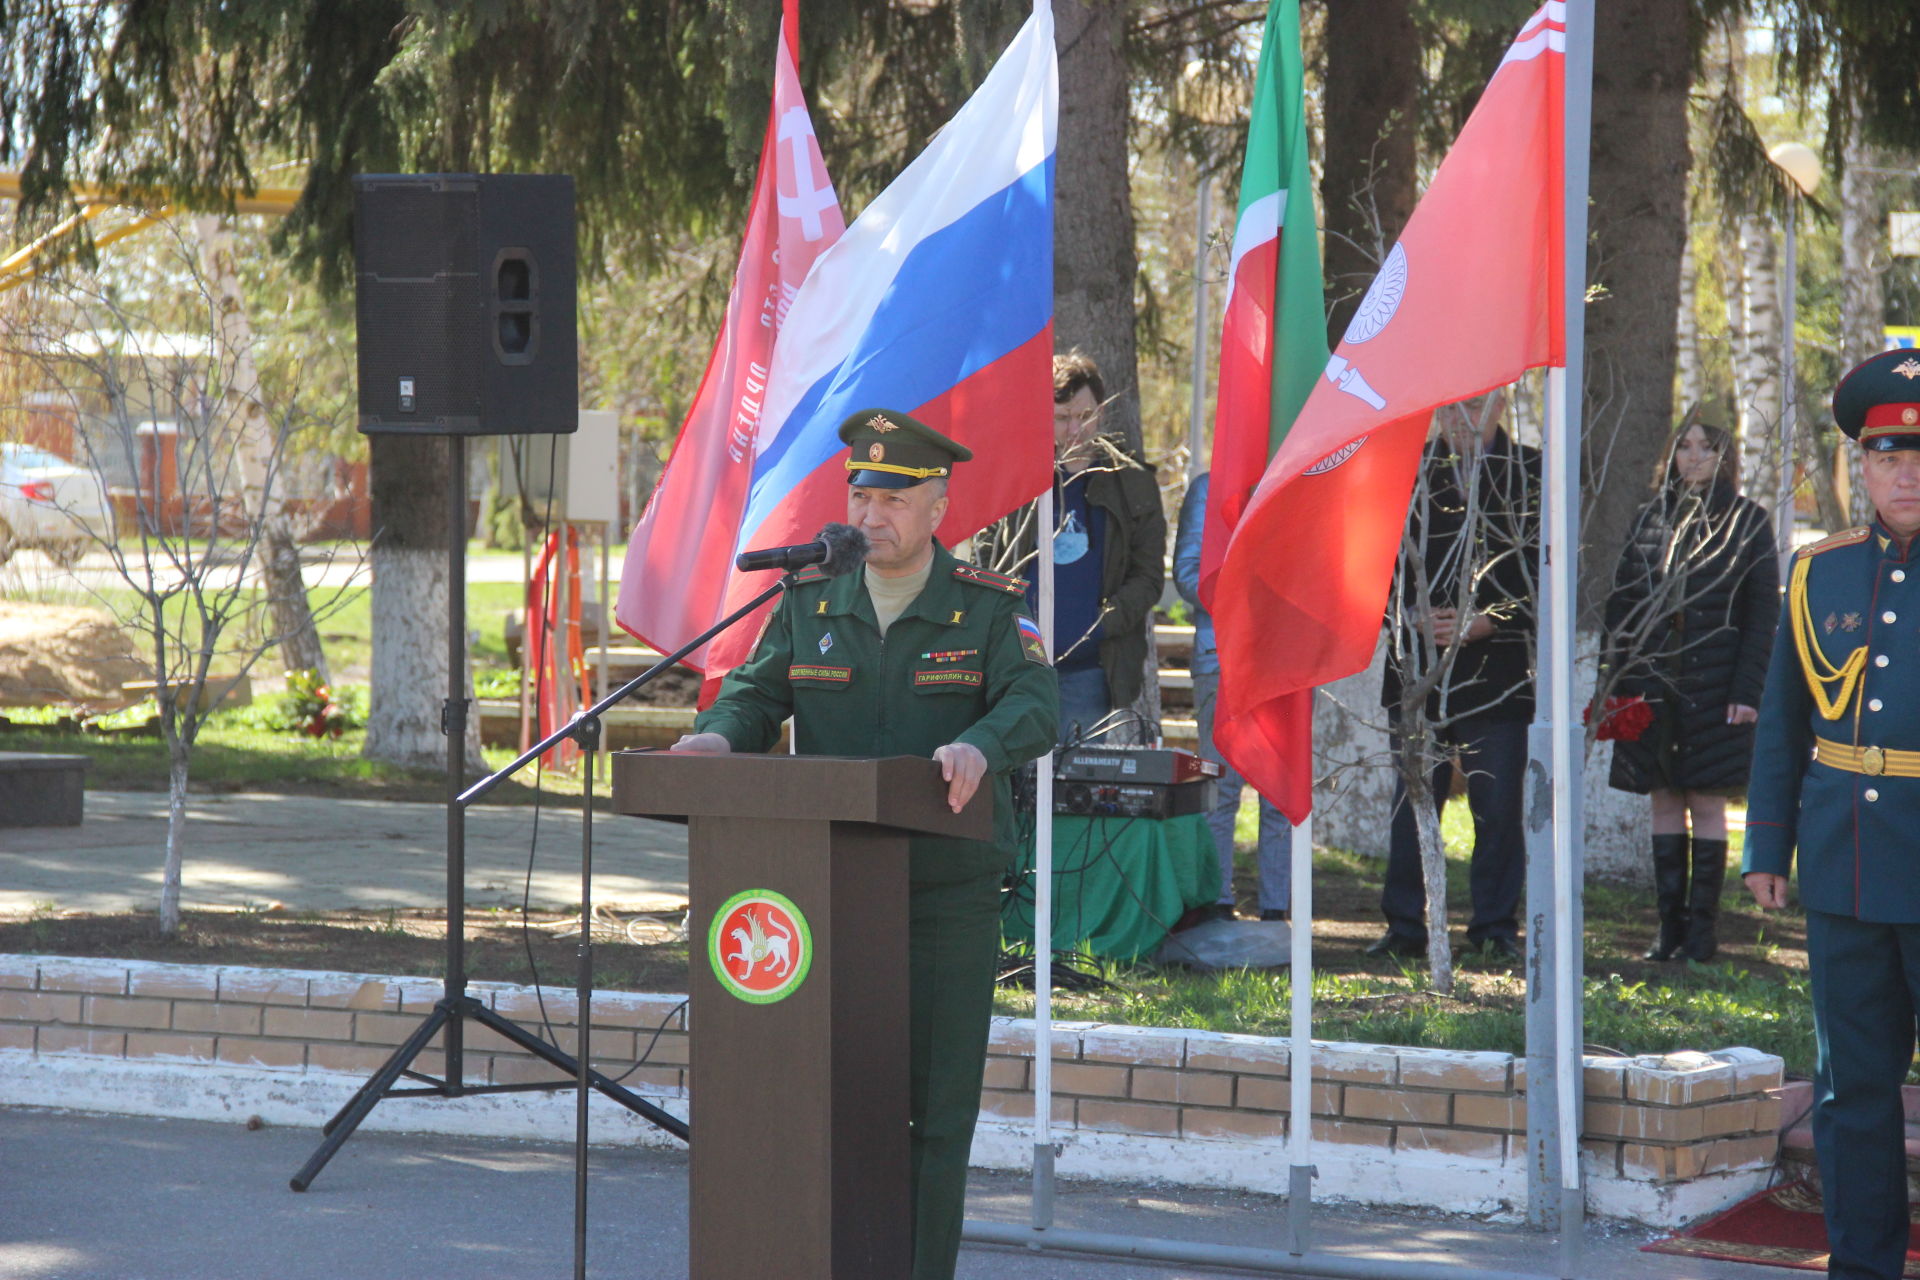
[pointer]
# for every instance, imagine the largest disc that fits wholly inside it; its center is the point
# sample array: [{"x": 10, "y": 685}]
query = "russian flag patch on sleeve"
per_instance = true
[{"x": 1031, "y": 642}]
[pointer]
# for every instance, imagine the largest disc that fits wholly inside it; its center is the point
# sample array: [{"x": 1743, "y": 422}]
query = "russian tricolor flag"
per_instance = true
[{"x": 937, "y": 301}]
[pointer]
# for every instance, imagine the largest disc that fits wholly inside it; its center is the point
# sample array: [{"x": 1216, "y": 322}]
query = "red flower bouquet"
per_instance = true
[
  {"x": 1622, "y": 719},
  {"x": 314, "y": 709}
]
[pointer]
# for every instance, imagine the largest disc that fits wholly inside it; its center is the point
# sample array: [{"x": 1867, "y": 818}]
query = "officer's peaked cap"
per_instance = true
[
  {"x": 1878, "y": 402},
  {"x": 893, "y": 451}
]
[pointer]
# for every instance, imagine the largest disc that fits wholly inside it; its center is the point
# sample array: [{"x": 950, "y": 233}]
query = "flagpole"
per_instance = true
[
  {"x": 1300, "y": 1052},
  {"x": 1562, "y": 540},
  {"x": 1042, "y": 1216}
]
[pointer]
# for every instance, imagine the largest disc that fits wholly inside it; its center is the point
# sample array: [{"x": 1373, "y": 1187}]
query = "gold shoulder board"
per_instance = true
[
  {"x": 989, "y": 579},
  {"x": 1845, "y": 538}
]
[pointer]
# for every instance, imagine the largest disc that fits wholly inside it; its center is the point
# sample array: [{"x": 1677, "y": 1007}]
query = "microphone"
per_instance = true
[{"x": 839, "y": 549}]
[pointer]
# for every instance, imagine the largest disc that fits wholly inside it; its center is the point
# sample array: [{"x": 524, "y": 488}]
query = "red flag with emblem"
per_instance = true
[
  {"x": 680, "y": 556},
  {"x": 1468, "y": 299}
]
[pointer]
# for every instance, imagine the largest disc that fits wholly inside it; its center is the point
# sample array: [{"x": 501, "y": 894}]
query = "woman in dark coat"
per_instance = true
[{"x": 1690, "y": 628}]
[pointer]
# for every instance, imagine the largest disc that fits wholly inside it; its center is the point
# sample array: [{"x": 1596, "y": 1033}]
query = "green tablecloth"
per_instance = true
[{"x": 1118, "y": 883}]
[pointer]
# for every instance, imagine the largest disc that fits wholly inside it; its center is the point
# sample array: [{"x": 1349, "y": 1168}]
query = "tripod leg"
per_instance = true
[
  {"x": 565, "y": 1062},
  {"x": 341, "y": 1127}
]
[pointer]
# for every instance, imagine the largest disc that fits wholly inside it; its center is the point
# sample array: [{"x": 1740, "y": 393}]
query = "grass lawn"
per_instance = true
[
  {"x": 345, "y": 619},
  {"x": 234, "y": 754},
  {"x": 344, "y": 613},
  {"x": 1754, "y": 994}
]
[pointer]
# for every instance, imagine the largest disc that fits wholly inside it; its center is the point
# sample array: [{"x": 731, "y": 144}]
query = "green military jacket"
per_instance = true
[{"x": 964, "y": 663}]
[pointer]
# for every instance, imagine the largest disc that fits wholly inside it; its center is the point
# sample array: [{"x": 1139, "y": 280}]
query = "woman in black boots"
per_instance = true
[{"x": 1689, "y": 629}]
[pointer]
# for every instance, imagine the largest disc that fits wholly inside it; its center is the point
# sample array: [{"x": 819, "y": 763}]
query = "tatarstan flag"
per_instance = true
[
  {"x": 1467, "y": 300},
  {"x": 1273, "y": 342}
]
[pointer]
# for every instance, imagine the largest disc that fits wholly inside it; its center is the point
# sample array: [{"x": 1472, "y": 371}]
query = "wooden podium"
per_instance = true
[{"x": 797, "y": 968}]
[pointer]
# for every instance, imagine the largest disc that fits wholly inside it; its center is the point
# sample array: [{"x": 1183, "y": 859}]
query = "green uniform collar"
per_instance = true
[{"x": 938, "y": 603}]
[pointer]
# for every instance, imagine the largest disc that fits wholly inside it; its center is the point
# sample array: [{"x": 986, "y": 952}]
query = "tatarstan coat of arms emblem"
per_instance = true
[{"x": 759, "y": 946}]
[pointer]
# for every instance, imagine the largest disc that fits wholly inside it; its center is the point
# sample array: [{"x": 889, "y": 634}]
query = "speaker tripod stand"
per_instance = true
[{"x": 456, "y": 1008}]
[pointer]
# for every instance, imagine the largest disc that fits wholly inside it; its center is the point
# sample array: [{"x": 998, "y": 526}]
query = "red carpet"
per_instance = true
[{"x": 1780, "y": 1227}]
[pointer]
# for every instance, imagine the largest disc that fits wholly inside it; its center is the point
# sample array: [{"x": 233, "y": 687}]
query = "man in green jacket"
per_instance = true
[{"x": 918, "y": 655}]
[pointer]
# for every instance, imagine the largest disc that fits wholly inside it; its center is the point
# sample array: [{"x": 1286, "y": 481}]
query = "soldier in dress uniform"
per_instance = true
[
  {"x": 1836, "y": 774},
  {"x": 925, "y": 655}
]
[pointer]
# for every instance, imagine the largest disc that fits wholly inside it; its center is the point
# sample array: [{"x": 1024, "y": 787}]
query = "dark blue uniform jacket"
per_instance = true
[{"x": 1846, "y": 668}]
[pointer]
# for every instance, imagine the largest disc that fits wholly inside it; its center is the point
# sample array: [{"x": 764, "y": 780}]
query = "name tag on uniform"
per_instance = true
[{"x": 945, "y": 676}]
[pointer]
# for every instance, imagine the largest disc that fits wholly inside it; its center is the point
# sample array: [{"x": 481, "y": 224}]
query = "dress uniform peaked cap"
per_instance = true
[
  {"x": 894, "y": 451},
  {"x": 1878, "y": 402}
]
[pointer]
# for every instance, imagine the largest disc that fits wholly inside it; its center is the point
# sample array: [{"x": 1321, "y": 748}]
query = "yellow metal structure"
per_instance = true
[{"x": 146, "y": 207}]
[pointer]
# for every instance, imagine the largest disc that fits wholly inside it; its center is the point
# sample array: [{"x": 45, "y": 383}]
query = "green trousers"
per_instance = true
[{"x": 954, "y": 946}]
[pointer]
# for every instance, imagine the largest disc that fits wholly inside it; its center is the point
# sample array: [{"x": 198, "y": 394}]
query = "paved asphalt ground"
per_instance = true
[
  {"x": 91, "y": 1197},
  {"x": 316, "y": 854},
  {"x": 109, "y": 1198}
]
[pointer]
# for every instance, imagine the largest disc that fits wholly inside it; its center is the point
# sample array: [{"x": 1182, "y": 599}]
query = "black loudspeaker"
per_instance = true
[{"x": 465, "y": 304}]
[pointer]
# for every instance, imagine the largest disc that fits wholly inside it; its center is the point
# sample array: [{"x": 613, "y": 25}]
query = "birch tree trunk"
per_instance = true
[
  {"x": 1733, "y": 296},
  {"x": 1687, "y": 332},
  {"x": 1757, "y": 372},
  {"x": 243, "y": 414},
  {"x": 1863, "y": 257},
  {"x": 1863, "y": 292}
]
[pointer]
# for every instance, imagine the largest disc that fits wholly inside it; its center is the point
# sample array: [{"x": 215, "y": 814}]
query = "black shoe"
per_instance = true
[
  {"x": 1221, "y": 911},
  {"x": 1399, "y": 945},
  {"x": 1499, "y": 951},
  {"x": 1274, "y": 913}
]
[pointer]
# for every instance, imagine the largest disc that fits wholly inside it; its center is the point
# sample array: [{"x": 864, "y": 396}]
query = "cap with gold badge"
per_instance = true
[
  {"x": 893, "y": 451},
  {"x": 1878, "y": 402}
]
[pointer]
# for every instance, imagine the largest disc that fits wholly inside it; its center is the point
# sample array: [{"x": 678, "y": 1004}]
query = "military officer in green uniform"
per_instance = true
[
  {"x": 920, "y": 655},
  {"x": 1836, "y": 774}
]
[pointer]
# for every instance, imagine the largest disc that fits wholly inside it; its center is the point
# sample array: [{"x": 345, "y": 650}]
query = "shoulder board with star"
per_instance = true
[
  {"x": 989, "y": 579},
  {"x": 1845, "y": 538},
  {"x": 811, "y": 574}
]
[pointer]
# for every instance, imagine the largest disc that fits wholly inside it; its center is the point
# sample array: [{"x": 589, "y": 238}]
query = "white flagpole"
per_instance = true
[
  {"x": 1300, "y": 1054},
  {"x": 1563, "y": 542},
  {"x": 1043, "y": 902}
]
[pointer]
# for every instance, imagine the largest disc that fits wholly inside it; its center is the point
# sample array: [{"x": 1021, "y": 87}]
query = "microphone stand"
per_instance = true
[
  {"x": 584, "y": 731},
  {"x": 455, "y": 1005}
]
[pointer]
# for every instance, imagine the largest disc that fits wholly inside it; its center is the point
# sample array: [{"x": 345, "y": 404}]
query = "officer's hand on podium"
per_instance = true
[
  {"x": 962, "y": 765},
  {"x": 1769, "y": 890},
  {"x": 706, "y": 744}
]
